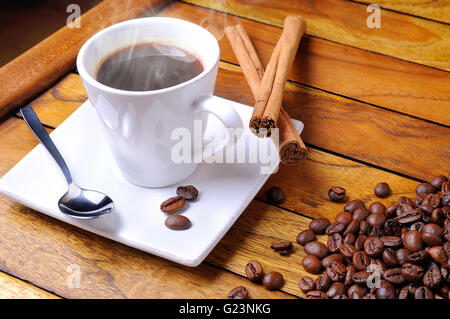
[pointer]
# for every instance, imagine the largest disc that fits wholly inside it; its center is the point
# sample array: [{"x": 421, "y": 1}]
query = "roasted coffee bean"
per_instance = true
[
  {"x": 391, "y": 241},
  {"x": 379, "y": 264},
  {"x": 437, "y": 181},
  {"x": 173, "y": 204},
  {"x": 343, "y": 218},
  {"x": 316, "y": 294},
  {"x": 317, "y": 249},
  {"x": 412, "y": 272},
  {"x": 394, "y": 276},
  {"x": 377, "y": 208},
  {"x": 373, "y": 246},
  {"x": 438, "y": 217},
  {"x": 336, "y": 193},
  {"x": 423, "y": 293},
  {"x": 336, "y": 289},
  {"x": 386, "y": 290},
  {"x": 306, "y": 284},
  {"x": 336, "y": 271},
  {"x": 391, "y": 210},
  {"x": 349, "y": 239},
  {"x": 312, "y": 264},
  {"x": 330, "y": 258},
  {"x": 402, "y": 255},
  {"x": 348, "y": 280},
  {"x": 447, "y": 231},
  {"x": 334, "y": 241},
  {"x": 369, "y": 296},
  {"x": 238, "y": 293},
  {"x": 254, "y": 271},
  {"x": 390, "y": 258},
  {"x": 360, "y": 213},
  {"x": 273, "y": 280},
  {"x": 359, "y": 242},
  {"x": 283, "y": 248},
  {"x": 353, "y": 227},
  {"x": 360, "y": 290},
  {"x": 418, "y": 257},
  {"x": 444, "y": 289},
  {"x": 188, "y": 192},
  {"x": 404, "y": 293},
  {"x": 335, "y": 228},
  {"x": 363, "y": 227},
  {"x": 432, "y": 234},
  {"x": 323, "y": 282},
  {"x": 403, "y": 200},
  {"x": 417, "y": 226},
  {"x": 409, "y": 217},
  {"x": 430, "y": 202},
  {"x": 392, "y": 228},
  {"x": 412, "y": 241},
  {"x": 276, "y": 195},
  {"x": 347, "y": 250},
  {"x": 376, "y": 220},
  {"x": 445, "y": 275},
  {"x": 375, "y": 231},
  {"x": 305, "y": 237},
  {"x": 319, "y": 225},
  {"x": 438, "y": 254},
  {"x": 361, "y": 260},
  {"x": 352, "y": 205},
  {"x": 177, "y": 222},
  {"x": 445, "y": 190},
  {"x": 425, "y": 188},
  {"x": 360, "y": 277},
  {"x": 432, "y": 278},
  {"x": 419, "y": 199},
  {"x": 382, "y": 190}
]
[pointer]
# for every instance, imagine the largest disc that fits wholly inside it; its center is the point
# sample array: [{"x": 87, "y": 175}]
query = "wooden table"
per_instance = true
[{"x": 376, "y": 108}]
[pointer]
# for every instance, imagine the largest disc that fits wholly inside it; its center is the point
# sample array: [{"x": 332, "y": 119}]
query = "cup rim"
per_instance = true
[{"x": 84, "y": 74}]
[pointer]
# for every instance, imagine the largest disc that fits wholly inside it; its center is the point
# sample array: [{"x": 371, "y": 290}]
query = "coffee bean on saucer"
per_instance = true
[
  {"x": 306, "y": 284},
  {"x": 173, "y": 204},
  {"x": 276, "y": 195},
  {"x": 283, "y": 248},
  {"x": 254, "y": 271},
  {"x": 177, "y": 222},
  {"x": 305, "y": 237},
  {"x": 319, "y": 225},
  {"x": 188, "y": 192},
  {"x": 273, "y": 280},
  {"x": 238, "y": 293},
  {"x": 382, "y": 190},
  {"x": 336, "y": 193}
]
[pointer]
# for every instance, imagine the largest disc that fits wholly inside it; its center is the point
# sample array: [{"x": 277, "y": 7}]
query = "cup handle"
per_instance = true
[{"x": 224, "y": 112}]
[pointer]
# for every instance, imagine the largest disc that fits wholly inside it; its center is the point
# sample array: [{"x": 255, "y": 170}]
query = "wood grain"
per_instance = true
[
  {"x": 438, "y": 10},
  {"x": 36, "y": 69},
  {"x": 405, "y": 37},
  {"x": 13, "y": 288},
  {"x": 422, "y": 91}
]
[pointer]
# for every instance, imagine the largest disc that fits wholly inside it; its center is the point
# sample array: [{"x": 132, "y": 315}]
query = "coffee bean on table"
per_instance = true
[
  {"x": 390, "y": 258},
  {"x": 334, "y": 241},
  {"x": 349, "y": 238},
  {"x": 352, "y": 205},
  {"x": 254, "y": 271},
  {"x": 173, "y": 204},
  {"x": 402, "y": 255},
  {"x": 377, "y": 208},
  {"x": 353, "y": 227},
  {"x": 188, "y": 192},
  {"x": 386, "y": 290},
  {"x": 283, "y": 248},
  {"x": 360, "y": 277},
  {"x": 418, "y": 257},
  {"x": 343, "y": 218},
  {"x": 391, "y": 241},
  {"x": 376, "y": 220},
  {"x": 404, "y": 293},
  {"x": 306, "y": 284},
  {"x": 359, "y": 242},
  {"x": 412, "y": 272},
  {"x": 319, "y": 225},
  {"x": 360, "y": 213},
  {"x": 312, "y": 264},
  {"x": 177, "y": 222},
  {"x": 238, "y": 293},
  {"x": 394, "y": 276},
  {"x": 373, "y": 246},
  {"x": 316, "y": 294},
  {"x": 305, "y": 237},
  {"x": 347, "y": 250},
  {"x": 336, "y": 271},
  {"x": 273, "y": 280},
  {"x": 423, "y": 293},
  {"x": 335, "y": 228},
  {"x": 437, "y": 181},
  {"x": 361, "y": 260},
  {"x": 363, "y": 227},
  {"x": 412, "y": 241},
  {"x": 330, "y": 258},
  {"x": 276, "y": 195},
  {"x": 348, "y": 280},
  {"x": 336, "y": 289},
  {"x": 438, "y": 217},
  {"x": 391, "y": 210},
  {"x": 432, "y": 278},
  {"x": 317, "y": 249},
  {"x": 336, "y": 193},
  {"x": 361, "y": 290},
  {"x": 432, "y": 234},
  {"x": 382, "y": 190},
  {"x": 323, "y": 282},
  {"x": 438, "y": 254},
  {"x": 425, "y": 188}
]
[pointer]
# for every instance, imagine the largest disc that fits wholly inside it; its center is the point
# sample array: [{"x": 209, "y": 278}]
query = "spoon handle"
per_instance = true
[{"x": 39, "y": 131}]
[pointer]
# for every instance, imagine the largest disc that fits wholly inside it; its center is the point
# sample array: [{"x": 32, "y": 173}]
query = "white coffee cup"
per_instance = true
[{"x": 138, "y": 124}]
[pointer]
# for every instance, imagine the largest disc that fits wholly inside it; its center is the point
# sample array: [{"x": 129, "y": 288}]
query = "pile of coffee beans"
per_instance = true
[
  {"x": 177, "y": 203},
  {"x": 400, "y": 251}
]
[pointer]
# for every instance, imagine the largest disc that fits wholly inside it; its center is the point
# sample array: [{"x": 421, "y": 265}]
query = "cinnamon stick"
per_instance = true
[
  {"x": 291, "y": 147},
  {"x": 270, "y": 94}
]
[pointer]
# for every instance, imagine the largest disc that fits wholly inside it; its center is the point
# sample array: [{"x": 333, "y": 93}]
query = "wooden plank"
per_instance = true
[
  {"x": 36, "y": 69},
  {"x": 13, "y": 288},
  {"x": 438, "y": 10},
  {"x": 422, "y": 91},
  {"x": 405, "y": 37}
]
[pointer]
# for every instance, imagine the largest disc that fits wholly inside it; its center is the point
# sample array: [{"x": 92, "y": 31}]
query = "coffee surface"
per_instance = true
[{"x": 147, "y": 67}]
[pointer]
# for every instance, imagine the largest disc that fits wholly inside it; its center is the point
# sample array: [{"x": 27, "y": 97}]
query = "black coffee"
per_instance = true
[{"x": 148, "y": 66}]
